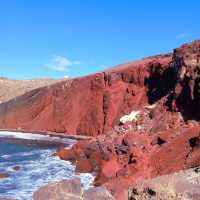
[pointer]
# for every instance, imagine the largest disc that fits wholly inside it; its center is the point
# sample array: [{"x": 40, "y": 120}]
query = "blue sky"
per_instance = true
[{"x": 57, "y": 38}]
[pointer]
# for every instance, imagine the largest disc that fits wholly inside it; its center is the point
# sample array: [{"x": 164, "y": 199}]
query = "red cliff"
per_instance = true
[{"x": 88, "y": 105}]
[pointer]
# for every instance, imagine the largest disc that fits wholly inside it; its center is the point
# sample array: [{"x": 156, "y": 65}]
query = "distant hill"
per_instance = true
[{"x": 10, "y": 89}]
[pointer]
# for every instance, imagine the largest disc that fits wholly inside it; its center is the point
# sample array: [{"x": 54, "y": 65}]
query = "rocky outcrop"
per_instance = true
[
  {"x": 186, "y": 65},
  {"x": 183, "y": 185},
  {"x": 71, "y": 190},
  {"x": 129, "y": 157},
  {"x": 4, "y": 175}
]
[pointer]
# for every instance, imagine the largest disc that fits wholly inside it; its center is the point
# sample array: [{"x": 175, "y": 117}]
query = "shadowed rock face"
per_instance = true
[{"x": 186, "y": 64}]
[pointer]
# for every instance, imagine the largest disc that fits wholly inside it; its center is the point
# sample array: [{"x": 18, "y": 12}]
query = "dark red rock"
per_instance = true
[
  {"x": 4, "y": 175},
  {"x": 16, "y": 168},
  {"x": 66, "y": 154},
  {"x": 84, "y": 166}
]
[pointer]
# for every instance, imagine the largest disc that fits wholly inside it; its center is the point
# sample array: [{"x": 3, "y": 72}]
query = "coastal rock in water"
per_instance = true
[
  {"x": 4, "y": 175},
  {"x": 71, "y": 190},
  {"x": 16, "y": 168},
  {"x": 84, "y": 166}
]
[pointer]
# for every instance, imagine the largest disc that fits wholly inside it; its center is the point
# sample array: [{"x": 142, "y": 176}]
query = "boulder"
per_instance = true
[
  {"x": 84, "y": 166},
  {"x": 98, "y": 193},
  {"x": 4, "y": 175},
  {"x": 16, "y": 168},
  {"x": 66, "y": 154},
  {"x": 68, "y": 190},
  {"x": 71, "y": 190}
]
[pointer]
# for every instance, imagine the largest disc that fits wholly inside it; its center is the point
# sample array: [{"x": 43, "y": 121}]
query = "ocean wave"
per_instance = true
[
  {"x": 35, "y": 137},
  {"x": 40, "y": 170},
  {"x": 6, "y": 156}
]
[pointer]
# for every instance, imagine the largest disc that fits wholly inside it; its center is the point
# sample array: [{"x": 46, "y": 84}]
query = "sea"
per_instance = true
[{"x": 33, "y": 155}]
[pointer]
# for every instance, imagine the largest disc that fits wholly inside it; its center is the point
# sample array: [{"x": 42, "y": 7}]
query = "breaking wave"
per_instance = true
[{"x": 37, "y": 168}]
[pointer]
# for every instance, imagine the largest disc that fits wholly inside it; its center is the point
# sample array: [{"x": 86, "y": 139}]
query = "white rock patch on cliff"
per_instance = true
[{"x": 133, "y": 116}]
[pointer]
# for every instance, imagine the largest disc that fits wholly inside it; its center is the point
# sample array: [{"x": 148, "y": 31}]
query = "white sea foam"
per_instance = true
[
  {"x": 34, "y": 137},
  {"x": 6, "y": 156}
]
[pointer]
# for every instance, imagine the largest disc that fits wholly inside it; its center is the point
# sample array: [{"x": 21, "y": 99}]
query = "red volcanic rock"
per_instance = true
[
  {"x": 84, "y": 166},
  {"x": 16, "y": 168},
  {"x": 108, "y": 169},
  {"x": 66, "y": 154},
  {"x": 186, "y": 64}
]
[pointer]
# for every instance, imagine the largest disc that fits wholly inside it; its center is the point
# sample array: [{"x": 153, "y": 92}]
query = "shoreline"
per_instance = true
[
  {"x": 49, "y": 133},
  {"x": 35, "y": 138}
]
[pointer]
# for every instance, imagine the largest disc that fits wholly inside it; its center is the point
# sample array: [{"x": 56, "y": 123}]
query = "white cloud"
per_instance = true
[
  {"x": 66, "y": 77},
  {"x": 103, "y": 66},
  {"x": 182, "y": 35},
  {"x": 61, "y": 63}
]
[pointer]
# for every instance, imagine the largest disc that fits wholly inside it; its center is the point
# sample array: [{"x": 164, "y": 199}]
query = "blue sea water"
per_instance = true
[{"x": 37, "y": 168}]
